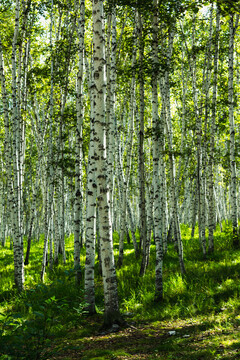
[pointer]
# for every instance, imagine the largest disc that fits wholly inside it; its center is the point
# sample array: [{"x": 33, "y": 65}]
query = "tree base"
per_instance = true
[
  {"x": 111, "y": 319},
  {"x": 158, "y": 298},
  {"x": 210, "y": 250}
]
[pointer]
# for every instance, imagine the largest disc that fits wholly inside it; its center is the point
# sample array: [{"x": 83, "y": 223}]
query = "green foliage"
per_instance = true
[
  {"x": 228, "y": 6},
  {"x": 36, "y": 324},
  {"x": 31, "y": 320},
  {"x": 39, "y": 315}
]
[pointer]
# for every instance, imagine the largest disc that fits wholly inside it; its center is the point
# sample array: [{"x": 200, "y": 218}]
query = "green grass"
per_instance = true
[{"x": 203, "y": 307}]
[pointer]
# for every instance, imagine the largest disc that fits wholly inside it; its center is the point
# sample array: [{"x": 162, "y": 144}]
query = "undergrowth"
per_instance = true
[{"x": 31, "y": 322}]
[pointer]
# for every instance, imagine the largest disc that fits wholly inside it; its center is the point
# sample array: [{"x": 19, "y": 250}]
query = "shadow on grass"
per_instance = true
[{"x": 189, "y": 342}]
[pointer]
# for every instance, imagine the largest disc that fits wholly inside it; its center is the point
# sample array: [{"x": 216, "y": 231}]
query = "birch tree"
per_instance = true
[
  {"x": 78, "y": 165},
  {"x": 212, "y": 137},
  {"x": 141, "y": 160},
  {"x": 91, "y": 204},
  {"x": 16, "y": 162},
  {"x": 157, "y": 132},
  {"x": 233, "y": 24},
  {"x": 111, "y": 311}
]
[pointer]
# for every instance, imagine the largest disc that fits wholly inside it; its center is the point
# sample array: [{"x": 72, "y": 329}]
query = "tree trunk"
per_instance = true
[
  {"x": 233, "y": 197},
  {"x": 111, "y": 311},
  {"x": 141, "y": 159},
  {"x": 212, "y": 216},
  {"x": 78, "y": 157}
]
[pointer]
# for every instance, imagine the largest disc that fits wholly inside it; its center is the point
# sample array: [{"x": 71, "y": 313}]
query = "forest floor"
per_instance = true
[
  {"x": 198, "y": 319},
  {"x": 193, "y": 339}
]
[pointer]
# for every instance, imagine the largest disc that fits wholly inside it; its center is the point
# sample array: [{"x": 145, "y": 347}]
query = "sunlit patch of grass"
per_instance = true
[
  {"x": 6, "y": 272},
  {"x": 174, "y": 285},
  {"x": 193, "y": 294}
]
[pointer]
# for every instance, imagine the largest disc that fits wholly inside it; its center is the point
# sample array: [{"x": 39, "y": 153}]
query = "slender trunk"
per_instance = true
[
  {"x": 158, "y": 231},
  {"x": 49, "y": 176},
  {"x": 90, "y": 222},
  {"x": 16, "y": 155},
  {"x": 141, "y": 162},
  {"x": 78, "y": 175},
  {"x": 8, "y": 199},
  {"x": 233, "y": 197},
  {"x": 211, "y": 224},
  {"x": 111, "y": 311}
]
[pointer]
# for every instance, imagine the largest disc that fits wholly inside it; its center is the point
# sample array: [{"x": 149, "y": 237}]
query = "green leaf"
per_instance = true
[{"x": 38, "y": 314}]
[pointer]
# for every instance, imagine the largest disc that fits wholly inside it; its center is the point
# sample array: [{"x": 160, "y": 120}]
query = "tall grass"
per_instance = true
[{"x": 43, "y": 312}]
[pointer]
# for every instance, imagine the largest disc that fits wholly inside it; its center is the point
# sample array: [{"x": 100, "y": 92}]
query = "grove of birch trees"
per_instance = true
[{"x": 117, "y": 116}]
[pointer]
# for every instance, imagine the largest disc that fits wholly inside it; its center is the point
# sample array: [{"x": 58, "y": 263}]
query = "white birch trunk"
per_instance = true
[
  {"x": 78, "y": 175},
  {"x": 233, "y": 197},
  {"x": 90, "y": 219},
  {"x": 111, "y": 311},
  {"x": 49, "y": 176},
  {"x": 211, "y": 224},
  {"x": 141, "y": 160},
  {"x": 7, "y": 143},
  {"x": 158, "y": 206},
  {"x": 17, "y": 215}
]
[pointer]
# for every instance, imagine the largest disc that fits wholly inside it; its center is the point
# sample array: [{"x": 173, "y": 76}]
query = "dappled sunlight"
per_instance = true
[{"x": 201, "y": 308}]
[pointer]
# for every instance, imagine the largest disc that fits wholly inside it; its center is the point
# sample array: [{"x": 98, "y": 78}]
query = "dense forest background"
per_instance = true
[{"x": 119, "y": 135}]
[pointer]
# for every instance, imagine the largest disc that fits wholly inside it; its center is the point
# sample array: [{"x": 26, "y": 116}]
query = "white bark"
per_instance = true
[
  {"x": 17, "y": 166},
  {"x": 111, "y": 312},
  {"x": 90, "y": 220},
  {"x": 78, "y": 155},
  {"x": 141, "y": 159},
  {"x": 157, "y": 133},
  {"x": 233, "y": 197},
  {"x": 211, "y": 224}
]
